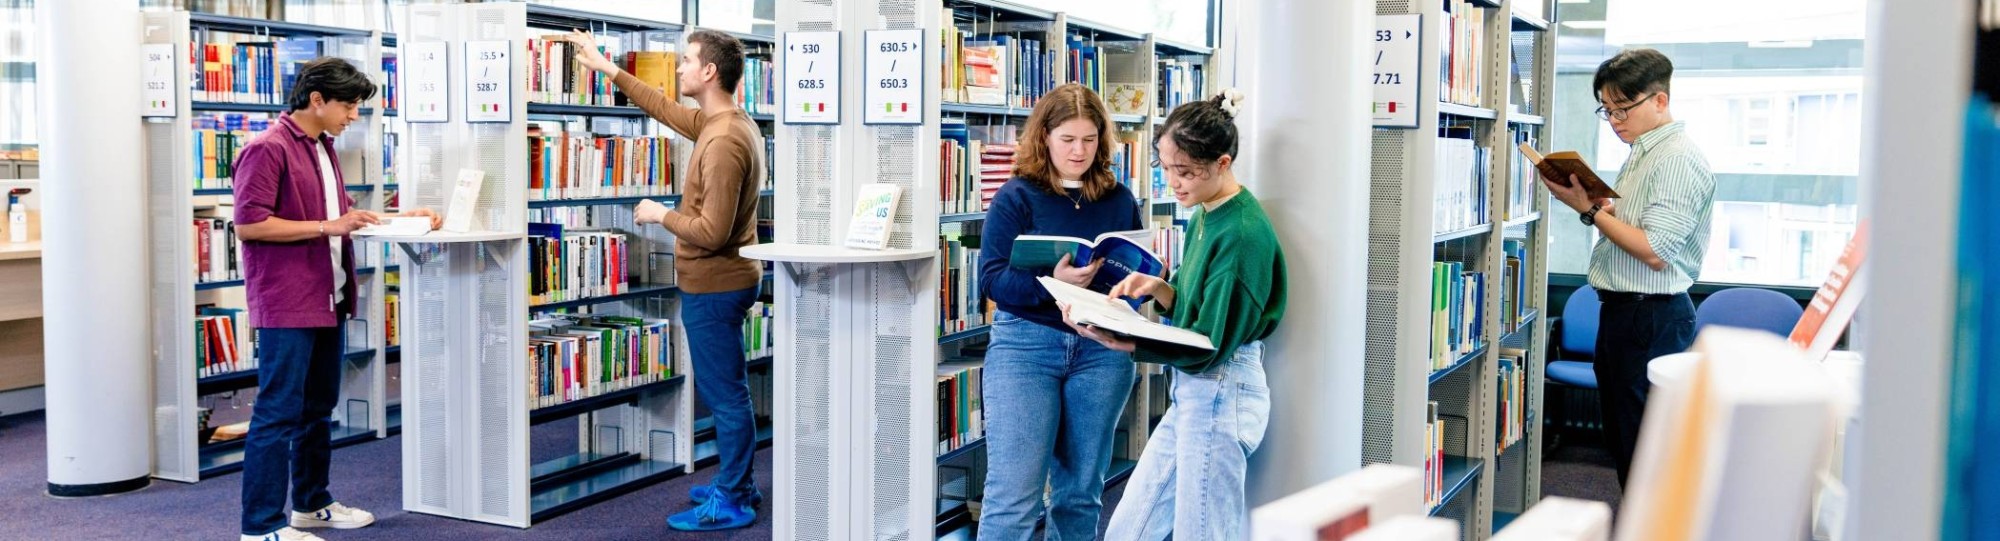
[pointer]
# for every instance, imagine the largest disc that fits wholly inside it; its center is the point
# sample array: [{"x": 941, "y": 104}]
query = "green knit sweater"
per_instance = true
[{"x": 1230, "y": 286}]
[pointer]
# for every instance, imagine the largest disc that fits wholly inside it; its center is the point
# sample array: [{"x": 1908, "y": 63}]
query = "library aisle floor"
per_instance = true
[{"x": 366, "y": 476}]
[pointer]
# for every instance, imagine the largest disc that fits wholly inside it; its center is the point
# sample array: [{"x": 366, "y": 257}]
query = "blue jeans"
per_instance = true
[
  {"x": 1052, "y": 401},
  {"x": 714, "y": 323},
  {"x": 298, "y": 382},
  {"x": 1190, "y": 479}
]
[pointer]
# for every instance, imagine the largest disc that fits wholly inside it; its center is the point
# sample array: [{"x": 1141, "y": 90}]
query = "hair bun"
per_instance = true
[{"x": 1231, "y": 100}]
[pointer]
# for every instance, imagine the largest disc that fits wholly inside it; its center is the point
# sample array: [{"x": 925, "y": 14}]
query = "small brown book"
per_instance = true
[{"x": 1558, "y": 166}]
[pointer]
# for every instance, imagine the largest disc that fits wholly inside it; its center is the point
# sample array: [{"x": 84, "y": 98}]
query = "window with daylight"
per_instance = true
[{"x": 1772, "y": 95}]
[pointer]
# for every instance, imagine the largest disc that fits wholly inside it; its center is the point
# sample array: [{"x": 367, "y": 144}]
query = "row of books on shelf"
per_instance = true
[
  {"x": 222, "y": 341},
  {"x": 757, "y": 92},
  {"x": 758, "y": 339},
  {"x": 1459, "y": 197},
  {"x": 1456, "y": 312},
  {"x": 218, "y": 140},
  {"x": 555, "y": 76},
  {"x": 389, "y": 91},
  {"x": 1515, "y": 287},
  {"x": 1168, "y": 239},
  {"x": 1434, "y": 482},
  {"x": 1127, "y": 165},
  {"x": 1513, "y": 397},
  {"x": 961, "y": 305},
  {"x": 993, "y": 69},
  {"x": 972, "y": 168},
  {"x": 1181, "y": 81},
  {"x": 1523, "y": 182},
  {"x": 569, "y": 166},
  {"x": 218, "y": 253},
  {"x": 572, "y": 265},
  {"x": 227, "y": 67},
  {"x": 1090, "y": 66},
  {"x": 1463, "y": 67},
  {"x": 572, "y": 358},
  {"x": 960, "y": 417}
]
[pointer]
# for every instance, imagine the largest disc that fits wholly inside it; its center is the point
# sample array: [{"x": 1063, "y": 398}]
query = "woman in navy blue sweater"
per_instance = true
[{"x": 1052, "y": 398}]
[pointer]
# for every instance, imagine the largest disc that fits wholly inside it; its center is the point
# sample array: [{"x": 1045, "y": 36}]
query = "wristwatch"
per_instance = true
[{"x": 1589, "y": 217}]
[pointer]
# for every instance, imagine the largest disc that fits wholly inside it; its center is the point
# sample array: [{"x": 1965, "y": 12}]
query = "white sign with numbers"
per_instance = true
[
  {"x": 489, "y": 82},
  {"x": 424, "y": 66},
  {"x": 1398, "y": 61},
  {"x": 811, "y": 78},
  {"x": 893, "y": 91},
  {"x": 158, "y": 79}
]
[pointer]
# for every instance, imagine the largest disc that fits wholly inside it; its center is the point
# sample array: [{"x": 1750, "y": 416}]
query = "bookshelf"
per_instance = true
[
  {"x": 1458, "y": 268},
  {"x": 900, "y": 484},
  {"x": 181, "y": 190},
  {"x": 467, "y": 418}
]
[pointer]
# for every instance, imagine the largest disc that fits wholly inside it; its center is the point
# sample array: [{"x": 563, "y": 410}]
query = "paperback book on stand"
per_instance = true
[
  {"x": 464, "y": 200},
  {"x": 1559, "y": 166},
  {"x": 1123, "y": 252},
  {"x": 874, "y": 216},
  {"x": 1095, "y": 309}
]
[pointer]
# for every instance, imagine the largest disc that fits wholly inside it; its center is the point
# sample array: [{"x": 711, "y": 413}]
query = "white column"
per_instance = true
[
  {"x": 1305, "y": 155},
  {"x": 98, "y": 353},
  {"x": 1916, "y": 87}
]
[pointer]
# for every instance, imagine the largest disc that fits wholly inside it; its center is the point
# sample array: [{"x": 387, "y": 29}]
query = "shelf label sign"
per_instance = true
[
  {"x": 489, "y": 82},
  {"x": 424, "y": 65},
  {"x": 893, "y": 63},
  {"x": 811, "y": 78},
  {"x": 158, "y": 80},
  {"x": 1397, "y": 69}
]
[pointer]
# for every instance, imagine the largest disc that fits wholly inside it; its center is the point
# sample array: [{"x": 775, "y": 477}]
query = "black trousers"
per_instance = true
[{"x": 1634, "y": 329}]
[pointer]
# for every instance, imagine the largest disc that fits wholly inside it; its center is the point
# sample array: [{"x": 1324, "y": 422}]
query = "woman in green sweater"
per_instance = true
[{"x": 1230, "y": 287}]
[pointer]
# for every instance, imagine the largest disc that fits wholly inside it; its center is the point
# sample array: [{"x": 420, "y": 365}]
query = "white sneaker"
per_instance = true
[
  {"x": 285, "y": 534},
  {"x": 336, "y": 516}
]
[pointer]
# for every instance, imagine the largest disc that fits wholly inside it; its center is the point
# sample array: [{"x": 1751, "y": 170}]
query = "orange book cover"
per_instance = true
[{"x": 1826, "y": 317}]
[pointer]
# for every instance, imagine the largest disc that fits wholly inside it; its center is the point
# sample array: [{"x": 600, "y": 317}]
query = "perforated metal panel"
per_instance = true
[
  {"x": 427, "y": 375},
  {"x": 810, "y": 386}
]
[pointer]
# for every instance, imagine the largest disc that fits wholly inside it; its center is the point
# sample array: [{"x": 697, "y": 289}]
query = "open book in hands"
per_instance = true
[
  {"x": 1094, "y": 309},
  {"x": 1123, "y": 252},
  {"x": 397, "y": 227},
  {"x": 1559, "y": 166}
]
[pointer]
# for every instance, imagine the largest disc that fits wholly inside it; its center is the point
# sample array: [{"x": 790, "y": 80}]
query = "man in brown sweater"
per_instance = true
[{"x": 718, "y": 217}]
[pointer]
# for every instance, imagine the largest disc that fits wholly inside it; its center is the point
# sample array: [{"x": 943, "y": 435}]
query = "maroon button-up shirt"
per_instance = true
[{"x": 290, "y": 284}]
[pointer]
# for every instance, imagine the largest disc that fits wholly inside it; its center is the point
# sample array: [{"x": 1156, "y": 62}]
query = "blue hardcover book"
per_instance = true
[
  {"x": 1123, "y": 252},
  {"x": 291, "y": 53}
]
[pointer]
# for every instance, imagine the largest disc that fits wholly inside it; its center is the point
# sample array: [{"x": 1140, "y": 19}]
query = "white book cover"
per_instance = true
[
  {"x": 464, "y": 200},
  {"x": 397, "y": 227},
  {"x": 1410, "y": 528},
  {"x": 874, "y": 216},
  {"x": 1095, "y": 309},
  {"x": 1343, "y": 506},
  {"x": 1560, "y": 519},
  {"x": 1733, "y": 450}
]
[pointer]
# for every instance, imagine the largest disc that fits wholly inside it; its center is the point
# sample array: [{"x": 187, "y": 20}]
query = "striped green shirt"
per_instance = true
[{"x": 1669, "y": 193}]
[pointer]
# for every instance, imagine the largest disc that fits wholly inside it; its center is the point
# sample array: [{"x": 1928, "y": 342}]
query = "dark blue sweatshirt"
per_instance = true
[{"x": 1024, "y": 208}]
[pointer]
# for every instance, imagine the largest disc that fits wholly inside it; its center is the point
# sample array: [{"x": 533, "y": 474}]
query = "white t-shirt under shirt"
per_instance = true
[{"x": 331, "y": 186}]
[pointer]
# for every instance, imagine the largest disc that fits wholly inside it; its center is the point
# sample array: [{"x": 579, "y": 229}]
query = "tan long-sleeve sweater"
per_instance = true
[{"x": 718, "y": 211}]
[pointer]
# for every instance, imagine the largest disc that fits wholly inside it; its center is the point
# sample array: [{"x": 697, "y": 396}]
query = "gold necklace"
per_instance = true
[{"x": 1073, "y": 201}]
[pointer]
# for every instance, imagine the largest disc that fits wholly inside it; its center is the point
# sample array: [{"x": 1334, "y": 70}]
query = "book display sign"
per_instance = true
[
  {"x": 893, "y": 91},
  {"x": 1398, "y": 59},
  {"x": 424, "y": 79},
  {"x": 489, "y": 82},
  {"x": 812, "y": 78},
  {"x": 158, "y": 78}
]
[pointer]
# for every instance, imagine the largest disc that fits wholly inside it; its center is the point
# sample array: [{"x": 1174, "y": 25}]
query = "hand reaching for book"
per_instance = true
[
  {"x": 348, "y": 223},
  {"x": 421, "y": 212},
  {"x": 1138, "y": 286},
  {"x": 588, "y": 54},
  {"x": 649, "y": 212},
  {"x": 1077, "y": 276}
]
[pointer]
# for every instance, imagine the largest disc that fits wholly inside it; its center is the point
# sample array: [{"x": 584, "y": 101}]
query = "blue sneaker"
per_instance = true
[
  {"x": 701, "y": 493},
  {"x": 719, "y": 512}
]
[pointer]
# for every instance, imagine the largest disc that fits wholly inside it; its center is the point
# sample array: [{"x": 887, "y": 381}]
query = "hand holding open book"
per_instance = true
[
  {"x": 1096, "y": 312},
  {"x": 1559, "y": 167}
]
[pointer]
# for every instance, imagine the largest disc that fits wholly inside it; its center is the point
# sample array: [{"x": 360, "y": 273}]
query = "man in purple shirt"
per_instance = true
[{"x": 293, "y": 216}]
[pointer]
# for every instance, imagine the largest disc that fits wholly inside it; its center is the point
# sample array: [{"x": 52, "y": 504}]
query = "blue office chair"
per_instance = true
[
  {"x": 1571, "y": 369},
  {"x": 1749, "y": 308}
]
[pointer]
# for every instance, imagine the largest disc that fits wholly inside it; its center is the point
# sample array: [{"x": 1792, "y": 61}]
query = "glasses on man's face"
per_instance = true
[{"x": 1619, "y": 114}]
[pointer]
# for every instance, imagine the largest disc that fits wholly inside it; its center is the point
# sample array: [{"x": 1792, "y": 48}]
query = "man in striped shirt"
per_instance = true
[{"x": 1651, "y": 243}]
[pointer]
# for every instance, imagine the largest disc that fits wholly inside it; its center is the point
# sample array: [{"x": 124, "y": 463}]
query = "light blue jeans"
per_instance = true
[
  {"x": 1052, "y": 402},
  {"x": 1189, "y": 482}
]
